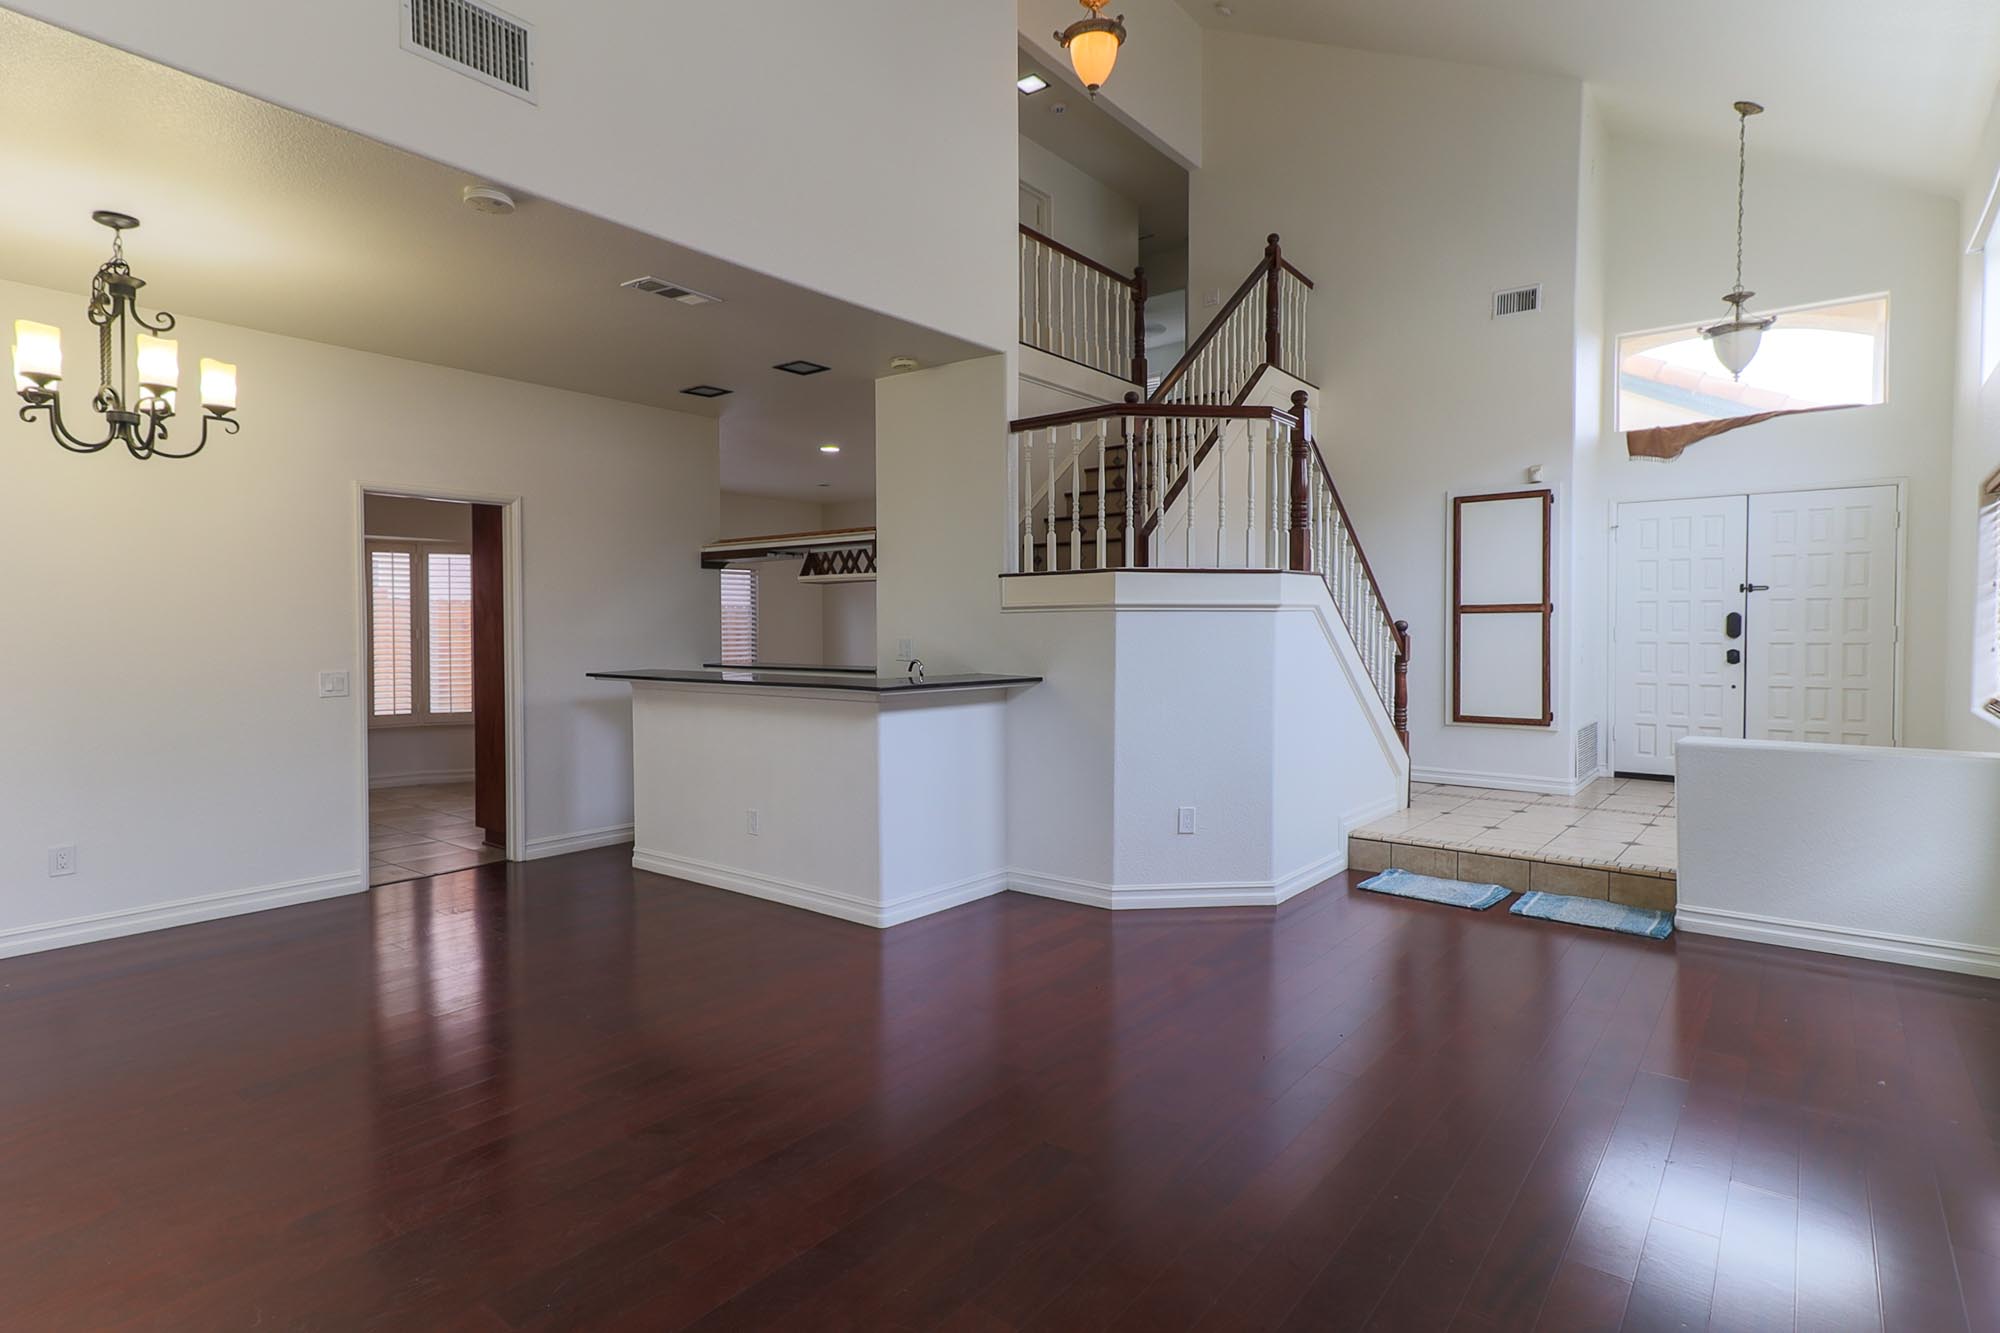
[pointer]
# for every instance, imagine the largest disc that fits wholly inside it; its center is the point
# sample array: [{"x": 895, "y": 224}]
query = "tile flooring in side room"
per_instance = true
[
  {"x": 1619, "y": 824},
  {"x": 426, "y": 830}
]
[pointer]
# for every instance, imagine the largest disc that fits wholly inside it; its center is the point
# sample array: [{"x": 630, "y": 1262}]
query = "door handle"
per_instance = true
[
  {"x": 1734, "y": 657},
  {"x": 1732, "y": 625},
  {"x": 1753, "y": 587}
]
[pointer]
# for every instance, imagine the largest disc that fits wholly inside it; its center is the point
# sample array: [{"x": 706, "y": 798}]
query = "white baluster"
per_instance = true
[
  {"x": 1221, "y": 497},
  {"x": 1103, "y": 466},
  {"x": 1027, "y": 503},
  {"x": 1249, "y": 493},
  {"x": 1049, "y": 500},
  {"x": 1132, "y": 475},
  {"x": 1076, "y": 497}
]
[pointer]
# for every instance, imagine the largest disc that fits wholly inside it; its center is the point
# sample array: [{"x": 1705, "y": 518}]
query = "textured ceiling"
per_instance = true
[
  {"x": 257, "y": 216},
  {"x": 1899, "y": 87}
]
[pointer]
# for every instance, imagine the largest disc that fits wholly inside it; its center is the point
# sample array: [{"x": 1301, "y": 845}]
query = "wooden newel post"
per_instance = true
[
  {"x": 1272, "y": 256},
  {"x": 1402, "y": 713},
  {"x": 1301, "y": 555},
  {"x": 1138, "y": 328}
]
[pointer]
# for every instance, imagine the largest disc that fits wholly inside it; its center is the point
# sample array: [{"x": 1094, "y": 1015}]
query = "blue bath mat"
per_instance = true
[
  {"x": 1597, "y": 914},
  {"x": 1450, "y": 892}
]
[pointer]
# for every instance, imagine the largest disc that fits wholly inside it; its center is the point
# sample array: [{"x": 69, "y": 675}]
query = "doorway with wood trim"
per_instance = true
[{"x": 435, "y": 683}]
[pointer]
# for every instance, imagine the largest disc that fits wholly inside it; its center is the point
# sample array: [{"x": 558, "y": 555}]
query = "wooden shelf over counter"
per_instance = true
[{"x": 831, "y": 547}]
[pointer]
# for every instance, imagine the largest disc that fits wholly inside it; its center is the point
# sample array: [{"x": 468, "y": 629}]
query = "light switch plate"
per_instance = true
[{"x": 333, "y": 684}]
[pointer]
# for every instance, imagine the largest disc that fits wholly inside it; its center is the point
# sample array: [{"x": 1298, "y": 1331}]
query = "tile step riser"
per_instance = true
[{"x": 1521, "y": 873}]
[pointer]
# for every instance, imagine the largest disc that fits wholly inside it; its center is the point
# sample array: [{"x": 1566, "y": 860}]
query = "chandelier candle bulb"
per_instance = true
[
  {"x": 218, "y": 386},
  {"x": 159, "y": 364},
  {"x": 37, "y": 353}
]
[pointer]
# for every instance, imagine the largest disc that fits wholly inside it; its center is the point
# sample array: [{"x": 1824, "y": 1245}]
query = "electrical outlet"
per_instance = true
[
  {"x": 62, "y": 860},
  {"x": 333, "y": 684},
  {"x": 1187, "y": 819},
  {"x": 903, "y": 650},
  {"x": 752, "y": 823}
]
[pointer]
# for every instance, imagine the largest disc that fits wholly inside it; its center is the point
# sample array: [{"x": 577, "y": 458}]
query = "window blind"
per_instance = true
[
  {"x": 739, "y": 615},
  {"x": 391, "y": 634},
  {"x": 448, "y": 576}
]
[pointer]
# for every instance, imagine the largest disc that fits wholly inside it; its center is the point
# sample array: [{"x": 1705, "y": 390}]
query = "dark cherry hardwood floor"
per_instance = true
[{"x": 569, "y": 1096}]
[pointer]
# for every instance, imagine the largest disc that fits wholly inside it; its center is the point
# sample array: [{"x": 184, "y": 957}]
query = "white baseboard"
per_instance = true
[
  {"x": 1147, "y": 897},
  {"x": 827, "y": 902},
  {"x": 182, "y": 912},
  {"x": 560, "y": 844},
  {"x": 420, "y": 779},
  {"x": 1941, "y": 955},
  {"x": 1465, "y": 777},
  {"x": 1369, "y": 813}
]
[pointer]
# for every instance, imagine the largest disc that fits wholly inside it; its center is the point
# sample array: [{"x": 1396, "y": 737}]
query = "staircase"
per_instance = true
[{"x": 1217, "y": 469}]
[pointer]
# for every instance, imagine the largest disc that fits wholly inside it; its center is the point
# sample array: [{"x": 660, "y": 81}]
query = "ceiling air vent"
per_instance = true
[
  {"x": 673, "y": 291},
  {"x": 1519, "y": 301},
  {"x": 477, "y": 40}
]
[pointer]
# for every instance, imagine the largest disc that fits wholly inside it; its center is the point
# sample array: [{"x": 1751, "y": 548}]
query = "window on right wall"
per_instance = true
[
  {"x": 1986, "y": 628},
  {"x": 1835, "y": 354}
]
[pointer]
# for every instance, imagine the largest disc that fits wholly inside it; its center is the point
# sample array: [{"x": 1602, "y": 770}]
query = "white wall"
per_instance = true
[
  {"x": 1086, "y": 215},
  {"x": 175, "y": 734},
  {"x": 1877, "y": 853},
  {"x": 703, "y": 124},
  {"x": 1155, "y": 89},
  {"x": 1975, "y": 453},
  {"x": 401, "y": 754},
  {"x": 1409, "y": 222},
  {"x": 804, "y": 624},
  {"x": 1814, "y": 234},
  {"x": 790, "y": 615}
]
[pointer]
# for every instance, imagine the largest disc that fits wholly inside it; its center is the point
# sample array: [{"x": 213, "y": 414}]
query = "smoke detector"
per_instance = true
[
  {"x": 899, "y": 364},
  {"x": 486, "y": 199}
]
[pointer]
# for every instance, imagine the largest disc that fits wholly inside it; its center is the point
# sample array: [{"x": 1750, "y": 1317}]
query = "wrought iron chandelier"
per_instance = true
[
  {"x": 1093, "y": 44},
  {"x": 139, "y": 422},
  {"x": 1735, "y": 340}
]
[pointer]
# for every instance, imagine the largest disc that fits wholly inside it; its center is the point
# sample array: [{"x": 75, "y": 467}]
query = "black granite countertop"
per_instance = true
[{"x": 751, "y": 679}]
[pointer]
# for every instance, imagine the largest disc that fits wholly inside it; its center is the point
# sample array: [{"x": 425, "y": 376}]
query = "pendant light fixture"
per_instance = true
[
  {"x": 1093, "y": 44},
  {"x": 139, "y": 421},
  {"x": 1735, "y": 340}
]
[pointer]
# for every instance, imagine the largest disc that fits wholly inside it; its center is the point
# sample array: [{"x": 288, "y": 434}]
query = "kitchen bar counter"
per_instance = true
[
  {"x": 809, "y": 678},
  {"x": 876, "y": 799}
]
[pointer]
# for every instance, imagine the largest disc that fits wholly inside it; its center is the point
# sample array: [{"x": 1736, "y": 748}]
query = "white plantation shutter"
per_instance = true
[
  {"x": 449, "y": 577},
  {"x": 391, "y": 630},
  {"x": 739, "y": 615}
]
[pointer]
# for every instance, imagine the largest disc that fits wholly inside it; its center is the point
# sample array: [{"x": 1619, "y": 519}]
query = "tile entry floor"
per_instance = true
[
  {"x": 415, "y": 831},
  {"x": 1625, "y": 824}
]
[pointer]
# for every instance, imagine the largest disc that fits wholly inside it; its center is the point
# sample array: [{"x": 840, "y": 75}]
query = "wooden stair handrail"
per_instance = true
[
  {"x": 1078, "y": 255},
  {"x": 1401, "y": 711},
  {"x": 1266, "y": 274},
  {"x": 1156, "y": 411},
  {"x": 1182, "y": 366}
]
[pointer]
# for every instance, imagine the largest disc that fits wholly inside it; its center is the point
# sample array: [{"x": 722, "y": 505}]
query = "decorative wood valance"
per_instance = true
[{"x": 1665, "y": 442}]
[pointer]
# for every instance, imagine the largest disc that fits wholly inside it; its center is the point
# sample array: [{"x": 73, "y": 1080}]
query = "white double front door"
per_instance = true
[{"x": 1771, "y": 616}]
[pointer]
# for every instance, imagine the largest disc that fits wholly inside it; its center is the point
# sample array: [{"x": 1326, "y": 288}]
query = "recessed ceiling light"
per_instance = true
[
  {"x": 706, "y": 391},
  {"x": 1030, "y": 84},
  {"x": 829, "y": 448},
  {"x": 800, "y": 367}
]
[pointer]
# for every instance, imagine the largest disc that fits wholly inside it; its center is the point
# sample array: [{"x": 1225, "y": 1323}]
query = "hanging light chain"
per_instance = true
[{"x": 1742, "y": 159}]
